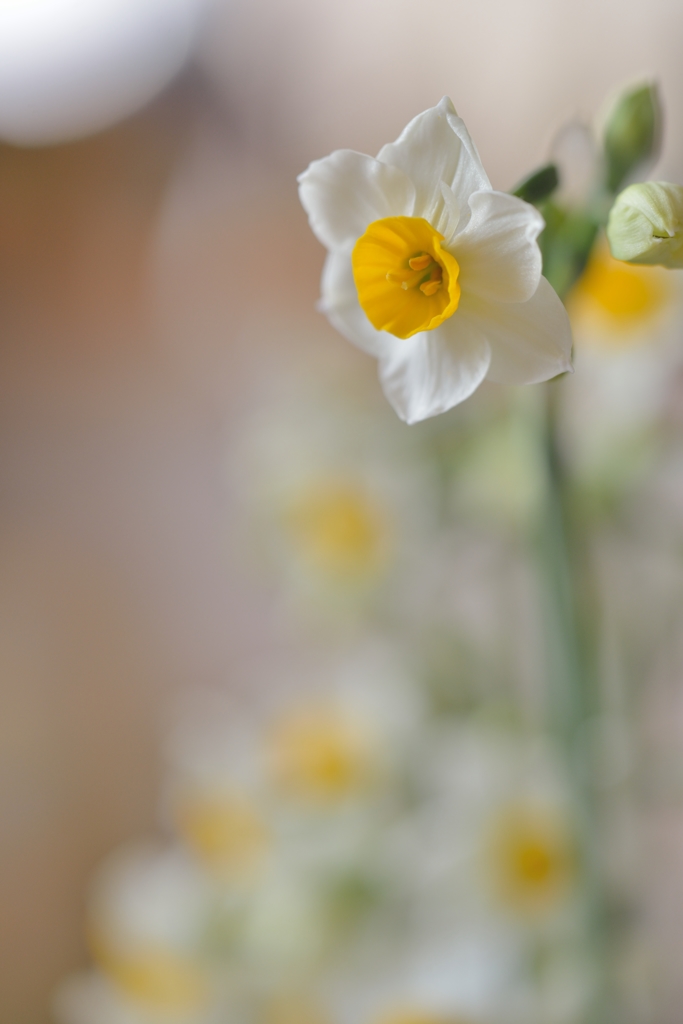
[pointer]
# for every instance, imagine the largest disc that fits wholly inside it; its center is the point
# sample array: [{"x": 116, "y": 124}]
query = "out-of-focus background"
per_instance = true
[{"x": 157, "y": 289}]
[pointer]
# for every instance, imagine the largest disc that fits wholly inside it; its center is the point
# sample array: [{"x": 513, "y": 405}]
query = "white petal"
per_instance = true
[
  {"x": 436, "y": 147},
  {"x": 346, "y": 191},
  {"x": 498, "y": 253},
  {"x": 431, "y": 372},
  {"x": 530, "y": 341},
  {"x": 339, "y": 302},
  {"x": 448, "y": 222}
]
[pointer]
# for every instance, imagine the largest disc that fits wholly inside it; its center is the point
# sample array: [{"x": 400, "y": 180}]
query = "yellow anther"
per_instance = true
[
  {"x": 408, "y": 280},
  {"x": 420, "y": 262}
]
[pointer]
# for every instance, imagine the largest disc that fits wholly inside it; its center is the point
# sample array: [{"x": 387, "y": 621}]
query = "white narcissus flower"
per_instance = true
[
  {"x": 431, "y": 270},
  {"x": 148, "y": 913}
]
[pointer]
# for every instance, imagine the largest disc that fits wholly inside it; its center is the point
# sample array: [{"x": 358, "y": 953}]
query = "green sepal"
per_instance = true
[
  {"x": 539, "y": 185},
  {"x": 566, "y": 244}
]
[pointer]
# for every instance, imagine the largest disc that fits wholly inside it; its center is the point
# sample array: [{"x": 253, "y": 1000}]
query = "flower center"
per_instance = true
[
  {"x": 622, "y": 291},
  {"x": 321, "y": 754},
  {"x": 423, "y": 273},
  {"x": 406, "y": 282},
  {"x": 225, "y": 831},
  {"x": 340, "y": 531},
  {"x": 158, "y": 978},
  {"x": 623, "y": 298},
  {"x": 532, "y": 858}
]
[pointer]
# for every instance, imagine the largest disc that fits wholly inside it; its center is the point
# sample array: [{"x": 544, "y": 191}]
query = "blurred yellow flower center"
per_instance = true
[
  {"x": 406, "y": 282},
  {"x": 158, "y": 978},
  {"x": 532, "y": 859},
  {"x": 321, "y": 754},
  {"x": 225, "y": 831},
  {"x": 621, "y": 290},
  {"x": 340, "y": 530},
  {"x": 624, "y": 296}
]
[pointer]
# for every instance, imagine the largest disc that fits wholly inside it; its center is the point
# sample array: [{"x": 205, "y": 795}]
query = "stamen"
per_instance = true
[
  {"x": 420, "y": 262},
  {"x": 411, "y": 280},
  {"x": 405, "y": 278},
  {"x": 430, "y": 287}
]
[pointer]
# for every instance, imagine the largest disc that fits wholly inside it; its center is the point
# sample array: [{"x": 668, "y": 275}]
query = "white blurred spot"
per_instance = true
[{"x": 72, "y": 67}]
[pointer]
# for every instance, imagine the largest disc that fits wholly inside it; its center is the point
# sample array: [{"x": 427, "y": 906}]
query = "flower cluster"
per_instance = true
[{"x": 343, "y": 854}]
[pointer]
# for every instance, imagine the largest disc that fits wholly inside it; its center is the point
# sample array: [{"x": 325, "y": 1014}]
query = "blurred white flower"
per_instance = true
[
  {"x": 431, "y": 270},
  {"x": 346, "y": 736},
  {"x": 466, "y": 978},
  {"x": 147, "y": 916},
  {"x": 340, "y": 504},
  {"x": 331, "y": 737},
  {"x": 496, "y": 829},
  {"x": 626, "y": 322},
  {"x": 225, "y": 829},
  {"x": 72, "y": 67},
  {"x": 215, "y": 796},
  {"x": 530, "y": 856},
  {"x": 91, "y": 998},
  {"x": 322, "y": 752}
]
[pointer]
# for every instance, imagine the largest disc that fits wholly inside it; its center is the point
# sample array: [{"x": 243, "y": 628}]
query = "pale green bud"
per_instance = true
[
  {"x": 646, "y": 224},
  {"x": 631, "y": 138}
]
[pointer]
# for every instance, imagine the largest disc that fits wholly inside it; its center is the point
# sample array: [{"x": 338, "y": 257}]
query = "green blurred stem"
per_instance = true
[{"x": 570, "y": 628}]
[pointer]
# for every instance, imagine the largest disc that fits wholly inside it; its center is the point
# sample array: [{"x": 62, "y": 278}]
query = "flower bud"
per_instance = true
[
  {"x": 631, "y": 136},
  {"x": 646, "y": 224}
]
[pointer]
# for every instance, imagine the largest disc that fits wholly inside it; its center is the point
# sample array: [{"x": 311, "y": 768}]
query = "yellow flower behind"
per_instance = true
[
  {"x": 615, "y": 304},
  {"x": 340, "y": 531},
  {"x": 159, "y": 979},
  {"x": 531, "y": 859},
  {"x": 322, "y": 754},
  {"x": 225, "y": 831}
]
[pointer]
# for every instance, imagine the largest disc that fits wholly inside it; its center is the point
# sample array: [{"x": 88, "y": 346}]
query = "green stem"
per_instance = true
[{"x": 569, "y": 625}]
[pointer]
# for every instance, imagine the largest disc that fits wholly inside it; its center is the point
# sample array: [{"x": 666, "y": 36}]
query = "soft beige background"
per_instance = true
[
  {"x": 134, "y": 329},
  {"x": 306, "y": 76}
]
